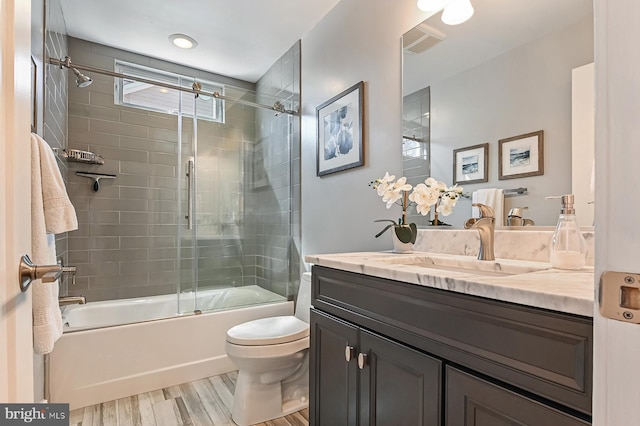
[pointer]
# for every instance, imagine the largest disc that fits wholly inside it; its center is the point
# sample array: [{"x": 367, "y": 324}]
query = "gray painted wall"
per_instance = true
[{"x": 357, "y": 40}]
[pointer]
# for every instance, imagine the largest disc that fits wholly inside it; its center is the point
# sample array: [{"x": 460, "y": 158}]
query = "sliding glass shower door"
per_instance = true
[{"x": 211, "y": 200}]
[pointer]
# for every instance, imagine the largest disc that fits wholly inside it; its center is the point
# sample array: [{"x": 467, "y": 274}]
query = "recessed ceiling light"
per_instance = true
[{"x": 183, "y": 41}]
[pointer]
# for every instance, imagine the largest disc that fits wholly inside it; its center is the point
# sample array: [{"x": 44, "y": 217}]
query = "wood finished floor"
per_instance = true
[{"x": 205, "y": 402}]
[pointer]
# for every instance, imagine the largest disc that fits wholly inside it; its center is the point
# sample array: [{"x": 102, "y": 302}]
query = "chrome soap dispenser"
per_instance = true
[{"x": 568, "y": 247}]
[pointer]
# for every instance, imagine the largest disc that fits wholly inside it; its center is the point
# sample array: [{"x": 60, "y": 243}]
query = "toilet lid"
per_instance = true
[{"x": 268, "y": 331}]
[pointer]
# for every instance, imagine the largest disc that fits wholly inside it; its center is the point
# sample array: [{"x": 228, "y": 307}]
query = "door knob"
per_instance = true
[
  {"x": 349, "y": 353},
  {"x": 29, "y": 272},
  {"x": 363, "y": 360}
]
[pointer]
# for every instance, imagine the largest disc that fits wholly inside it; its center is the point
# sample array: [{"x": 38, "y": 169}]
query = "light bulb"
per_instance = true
[
  {"x": 432, "y": 5},
  {"x": 457, "y": 12},
  {"x": 183, "y": 41}
]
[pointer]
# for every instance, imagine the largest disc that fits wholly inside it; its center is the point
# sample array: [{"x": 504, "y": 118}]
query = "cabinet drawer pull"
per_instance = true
[
  {"x": 362, "y": 360},
  {"x": 349, "y": 353}
]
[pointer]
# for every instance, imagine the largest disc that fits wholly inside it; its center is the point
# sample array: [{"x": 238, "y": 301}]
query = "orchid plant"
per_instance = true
[{"x": 424, "y": 196}]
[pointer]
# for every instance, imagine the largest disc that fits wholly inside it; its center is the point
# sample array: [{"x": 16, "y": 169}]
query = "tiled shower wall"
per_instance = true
[
  {"x": 126, "y": 244},
  {"x": 55, "y": 104},
  {"x": 127, "y": 238},
  {"x": 415, "y": 144},
  {"x": 274, "y": 214}
]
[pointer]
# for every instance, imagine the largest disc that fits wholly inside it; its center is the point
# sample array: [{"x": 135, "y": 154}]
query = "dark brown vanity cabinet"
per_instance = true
[{"x": 385, "y": 352}]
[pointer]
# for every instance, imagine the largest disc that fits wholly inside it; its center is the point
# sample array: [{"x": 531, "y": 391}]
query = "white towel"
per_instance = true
[
  {"x": 492, "y": 197},
  {"x": 51, "y": 213}
]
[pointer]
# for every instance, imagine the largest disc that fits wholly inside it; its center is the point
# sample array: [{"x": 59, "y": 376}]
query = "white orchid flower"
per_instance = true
[
  {"x": 423, "y": 209},
  {"x": 424, "y": 195},
  {"x": 383, "y": 184},
  {"x": 390, "y": 197},
  {"x": 445, "y": 209},
  {"x": 402, "y": 185},
  {"x": 382, "y": 187},
  {"x": 388, "y": 178},
  {"x": 441, "y": 186}
]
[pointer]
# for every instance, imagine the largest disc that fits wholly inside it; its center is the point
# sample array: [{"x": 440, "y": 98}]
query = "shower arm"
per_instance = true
[{"x": 66, "y": 63}]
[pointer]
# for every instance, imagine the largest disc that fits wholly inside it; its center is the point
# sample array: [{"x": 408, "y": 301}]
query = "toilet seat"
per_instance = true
[
  {"x": 246, "y": 352},
  {"x": 268, "y": 331}
]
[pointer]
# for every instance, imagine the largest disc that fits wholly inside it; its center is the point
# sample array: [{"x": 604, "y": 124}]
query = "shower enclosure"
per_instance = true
[{"x": 201, "y": 193}]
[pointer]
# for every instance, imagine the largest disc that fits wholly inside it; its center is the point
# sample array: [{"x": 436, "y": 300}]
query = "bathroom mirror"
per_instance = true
[{"x": 505, "y": 72}]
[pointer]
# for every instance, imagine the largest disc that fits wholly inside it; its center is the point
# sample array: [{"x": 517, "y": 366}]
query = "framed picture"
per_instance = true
[
  {"x": 521, "y": 156},
  {"x": 471, "y": 164},
  {"x": 339, "y": 122}
]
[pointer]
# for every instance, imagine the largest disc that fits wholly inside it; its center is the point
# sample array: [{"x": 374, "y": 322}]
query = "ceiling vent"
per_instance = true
[{"x": 421, "y": 38}]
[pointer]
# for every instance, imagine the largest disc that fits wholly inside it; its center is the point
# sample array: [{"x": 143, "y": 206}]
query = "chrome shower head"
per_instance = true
[{"x": 81, "y": 79}]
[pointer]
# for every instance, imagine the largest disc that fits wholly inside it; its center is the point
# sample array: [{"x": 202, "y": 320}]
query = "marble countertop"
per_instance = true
[{"x": 533, "y": 283}]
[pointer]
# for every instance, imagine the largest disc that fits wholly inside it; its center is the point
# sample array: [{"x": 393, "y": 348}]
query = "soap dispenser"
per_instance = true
[{"x": 568, "y": 248}]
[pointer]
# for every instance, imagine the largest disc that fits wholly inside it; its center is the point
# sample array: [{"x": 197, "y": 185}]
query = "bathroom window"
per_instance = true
[{"x": 150, "y": 97}]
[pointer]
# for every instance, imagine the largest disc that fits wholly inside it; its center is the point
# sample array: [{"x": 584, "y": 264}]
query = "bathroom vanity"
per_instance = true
[{"x": 394, "y": 341}]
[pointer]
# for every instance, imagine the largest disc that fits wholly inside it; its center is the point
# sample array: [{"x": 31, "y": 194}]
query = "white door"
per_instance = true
[
  {"x": 16, "y": 348},
  {"x": 617, "y": 344}
]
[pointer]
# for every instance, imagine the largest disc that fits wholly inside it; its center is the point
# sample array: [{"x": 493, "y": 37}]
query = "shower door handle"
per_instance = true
[{"x": 190, "y": 176}]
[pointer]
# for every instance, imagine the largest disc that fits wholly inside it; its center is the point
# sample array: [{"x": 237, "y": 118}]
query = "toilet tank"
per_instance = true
[{"x": 303, "y": 303}]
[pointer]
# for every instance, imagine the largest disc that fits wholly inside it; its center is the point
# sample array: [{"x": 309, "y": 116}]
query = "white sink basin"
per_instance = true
[{"x": 467, "y": 264}]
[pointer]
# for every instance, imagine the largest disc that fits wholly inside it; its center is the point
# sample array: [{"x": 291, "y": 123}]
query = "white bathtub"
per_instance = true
[
  {"x": 118, "y": 312},
  {"x": 92, "y": 365}
]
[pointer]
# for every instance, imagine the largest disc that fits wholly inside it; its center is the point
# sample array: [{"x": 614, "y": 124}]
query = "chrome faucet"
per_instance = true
[
  {"x": 485, "y": 225},
  {"x": 72, "y": 300}
]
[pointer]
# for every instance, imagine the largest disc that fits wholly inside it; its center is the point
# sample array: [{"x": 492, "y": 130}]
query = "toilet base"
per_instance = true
[{"x": 257, "y": 402}]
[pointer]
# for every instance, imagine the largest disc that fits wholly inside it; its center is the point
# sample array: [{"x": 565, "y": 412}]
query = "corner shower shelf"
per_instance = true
[{"x": 79, "y": 156}]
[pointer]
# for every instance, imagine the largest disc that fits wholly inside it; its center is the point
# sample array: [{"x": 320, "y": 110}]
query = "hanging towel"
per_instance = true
[
  {"x": 492, "y": 197},
  {"x": 51, "y": 213}
]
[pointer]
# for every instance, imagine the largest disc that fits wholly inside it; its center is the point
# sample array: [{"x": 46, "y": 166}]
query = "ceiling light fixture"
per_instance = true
[
  {"x": 455, "y": 11},
  {"x": 431, "y": 5},
  {"x": 183, "y": 41}
]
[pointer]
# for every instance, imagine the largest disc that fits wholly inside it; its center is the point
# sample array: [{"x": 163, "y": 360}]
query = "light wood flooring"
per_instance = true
[{"x": 205, "y": 402}]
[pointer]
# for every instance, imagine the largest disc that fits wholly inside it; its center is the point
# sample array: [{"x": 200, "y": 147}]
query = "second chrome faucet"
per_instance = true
[{"x": 485, "y": 225}]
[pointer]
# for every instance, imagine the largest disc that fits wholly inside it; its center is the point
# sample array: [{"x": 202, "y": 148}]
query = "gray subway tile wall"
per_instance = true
[
  {"x": 55, "y": 107},
  {"x": 277, "y": 220},
  {"x": 126, "y": 245}
]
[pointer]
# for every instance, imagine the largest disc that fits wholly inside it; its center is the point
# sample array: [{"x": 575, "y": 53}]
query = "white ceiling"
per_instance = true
[
  {"x": 236, "y": 38},
  {"x": 496, "y": 27}
]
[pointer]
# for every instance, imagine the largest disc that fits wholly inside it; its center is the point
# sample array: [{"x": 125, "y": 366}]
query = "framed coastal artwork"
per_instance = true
[
  {"x": 339, "y": 123},
  {"x": 521, "y": 156},
  {"x": 470, "y": 164}
]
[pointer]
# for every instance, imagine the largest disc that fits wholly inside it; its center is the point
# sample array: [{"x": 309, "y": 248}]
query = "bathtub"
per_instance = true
[{"x": 91, "y": 365}]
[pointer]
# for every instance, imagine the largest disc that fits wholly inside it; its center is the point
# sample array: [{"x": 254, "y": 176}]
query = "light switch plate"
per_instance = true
[{"x": 619, "y": 296}]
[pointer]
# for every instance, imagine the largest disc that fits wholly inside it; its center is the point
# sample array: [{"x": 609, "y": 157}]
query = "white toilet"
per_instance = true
[{"x": 272, "y": 356}]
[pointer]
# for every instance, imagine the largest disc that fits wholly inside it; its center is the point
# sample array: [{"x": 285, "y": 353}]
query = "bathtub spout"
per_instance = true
[{"x": 72, "y": 300}]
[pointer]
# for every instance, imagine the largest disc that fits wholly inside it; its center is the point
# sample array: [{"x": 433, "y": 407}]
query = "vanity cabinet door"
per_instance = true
[
  {"x": 471, "y": 401},
  {"x": 333, "y": 379},
  {"x": 398, "y": 385}
]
